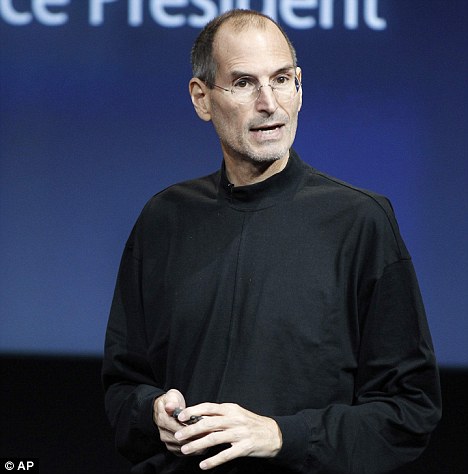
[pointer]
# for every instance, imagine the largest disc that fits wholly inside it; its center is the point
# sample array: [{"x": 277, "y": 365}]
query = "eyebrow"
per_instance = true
[{"x": 234, "y": 74}]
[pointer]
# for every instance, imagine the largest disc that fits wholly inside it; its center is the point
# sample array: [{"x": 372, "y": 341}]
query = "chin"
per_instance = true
[{"x": 268, "y": 156}]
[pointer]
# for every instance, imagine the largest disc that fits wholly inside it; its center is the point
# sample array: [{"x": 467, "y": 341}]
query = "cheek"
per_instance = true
[
  {"x": 225, "y": 120},
  {"x": 295, "y": 107},
  {"x": 294, "y": 114},
  {"x": 234, "y": 125}
]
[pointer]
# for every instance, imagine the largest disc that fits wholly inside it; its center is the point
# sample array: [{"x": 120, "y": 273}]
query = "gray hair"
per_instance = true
[{"x": 204, "y": 65}]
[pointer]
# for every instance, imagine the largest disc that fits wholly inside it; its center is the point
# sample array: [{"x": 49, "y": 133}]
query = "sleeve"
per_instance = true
[
  {"x": 396, "y": 397},
  {"x": 129, "y": 385}
]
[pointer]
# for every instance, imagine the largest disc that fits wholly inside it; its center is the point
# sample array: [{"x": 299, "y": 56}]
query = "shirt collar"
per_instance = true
[{"x": 266, "y": 193}]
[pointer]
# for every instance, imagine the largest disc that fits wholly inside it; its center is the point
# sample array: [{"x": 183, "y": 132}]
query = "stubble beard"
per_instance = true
[
  {"x": 243, "y": 150},
  {"x": 239, "y": 145}
]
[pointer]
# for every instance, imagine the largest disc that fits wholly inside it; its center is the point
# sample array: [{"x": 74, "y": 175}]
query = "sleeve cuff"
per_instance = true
[
  {"x": 295, "y": 433},
  {"x": 145, "y": 415}
]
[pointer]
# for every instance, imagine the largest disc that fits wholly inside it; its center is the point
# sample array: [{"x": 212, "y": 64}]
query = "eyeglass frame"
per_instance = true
[{"x": 298, "y": 86}]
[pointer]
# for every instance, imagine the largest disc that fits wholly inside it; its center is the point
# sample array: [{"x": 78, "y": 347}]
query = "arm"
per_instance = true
[
  {"x": 396, "y": 406},
  {"x": 130, "y": 388},
  {"x": 397, "y": 393}
]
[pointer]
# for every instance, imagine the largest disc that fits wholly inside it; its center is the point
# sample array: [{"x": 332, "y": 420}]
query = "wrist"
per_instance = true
[{"x": 277, "y": 438}]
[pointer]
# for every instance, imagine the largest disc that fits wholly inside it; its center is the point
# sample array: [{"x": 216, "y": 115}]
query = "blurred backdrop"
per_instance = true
[{"x": 95, "y": 118}]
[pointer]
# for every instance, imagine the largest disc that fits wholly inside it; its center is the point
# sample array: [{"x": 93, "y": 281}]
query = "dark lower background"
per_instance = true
[{"x": 51, "y": 408}]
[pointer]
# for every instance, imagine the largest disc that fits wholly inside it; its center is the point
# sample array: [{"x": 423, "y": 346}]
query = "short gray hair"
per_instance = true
[{"x": 204, "y": 65}]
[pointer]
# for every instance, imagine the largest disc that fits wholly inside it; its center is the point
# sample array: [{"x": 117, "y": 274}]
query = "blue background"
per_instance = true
[{"x": 96, "y": 119}]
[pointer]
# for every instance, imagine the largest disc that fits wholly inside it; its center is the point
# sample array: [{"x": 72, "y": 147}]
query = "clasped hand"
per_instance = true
[{"x": 247, "y": 433}]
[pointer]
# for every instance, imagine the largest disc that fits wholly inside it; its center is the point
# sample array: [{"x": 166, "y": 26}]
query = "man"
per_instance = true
[{"x": 267, "y": 317}]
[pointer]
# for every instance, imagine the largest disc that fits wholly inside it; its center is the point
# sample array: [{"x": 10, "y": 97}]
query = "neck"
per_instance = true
[{"x": 245, "y": 172}]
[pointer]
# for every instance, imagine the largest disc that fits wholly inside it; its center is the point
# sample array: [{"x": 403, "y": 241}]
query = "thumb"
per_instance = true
[{"x": 173, "y": 399}]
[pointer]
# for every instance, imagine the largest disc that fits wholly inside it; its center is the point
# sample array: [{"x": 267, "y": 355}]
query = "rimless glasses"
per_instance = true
[{"x": 246, "y": 89}]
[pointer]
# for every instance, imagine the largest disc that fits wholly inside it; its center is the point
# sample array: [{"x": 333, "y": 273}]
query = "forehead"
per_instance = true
[{"x": 252, "y": 49}]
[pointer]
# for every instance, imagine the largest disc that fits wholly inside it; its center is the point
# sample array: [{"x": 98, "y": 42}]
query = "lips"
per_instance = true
[
  {"x": 268, "y": 133},
  {"x": 267, "y": 128}
]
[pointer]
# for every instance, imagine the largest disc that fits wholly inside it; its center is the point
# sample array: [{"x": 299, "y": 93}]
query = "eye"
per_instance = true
[
  {"x": 243, "y": 83},
  {"x": 281, "y": 80}
]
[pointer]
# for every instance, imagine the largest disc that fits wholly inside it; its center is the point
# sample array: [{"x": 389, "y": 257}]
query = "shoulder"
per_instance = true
[
  {"x": 163, "y": 211},
  {"x": 186, "y": 193},
  {"x": 366, "y": 212},
  {"x": 341, "y": 193}
]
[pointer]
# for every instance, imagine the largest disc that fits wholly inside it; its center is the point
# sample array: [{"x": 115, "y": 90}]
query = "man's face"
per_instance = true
[{"x": 262, "y": 130}]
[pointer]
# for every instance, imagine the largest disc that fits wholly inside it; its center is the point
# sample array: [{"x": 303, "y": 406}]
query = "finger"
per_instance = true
[
  {"x": 174, "y": 449},
  {"x": 221, "y": 458},
  {"x": 206, "y": 425},
  {"x": 164, "y": 407},
  {"x": 173, "y": 445},
  {"x": 173, "y": 399},
  {"x": 167, "y": 436},
  {"x": 170, "y": 442},
  {"x": 207, "y": 441},
  {"x": 164, "y": 420},
  {"x": 207, "y": 409}
]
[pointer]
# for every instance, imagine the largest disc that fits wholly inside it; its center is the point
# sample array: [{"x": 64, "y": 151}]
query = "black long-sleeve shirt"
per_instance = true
[{"x": 295, "y": 298}]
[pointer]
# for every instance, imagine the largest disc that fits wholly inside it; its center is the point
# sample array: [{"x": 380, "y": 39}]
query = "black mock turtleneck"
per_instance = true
[
  {"x": 266, "y": 193},
  {"x": 295, "y": 298}
]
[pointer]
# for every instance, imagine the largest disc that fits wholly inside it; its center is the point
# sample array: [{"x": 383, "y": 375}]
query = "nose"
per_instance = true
[{"x": 266, "y": 100}]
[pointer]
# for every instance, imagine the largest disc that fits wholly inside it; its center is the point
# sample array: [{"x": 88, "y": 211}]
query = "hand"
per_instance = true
[
  {"x": 163, "y": 408},
  {"x": 248, "y": 434}
]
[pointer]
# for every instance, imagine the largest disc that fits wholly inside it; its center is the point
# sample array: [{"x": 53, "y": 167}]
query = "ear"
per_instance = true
[
  {"x": 299, "y": 76},
  {"x": 200, "y": 100}
]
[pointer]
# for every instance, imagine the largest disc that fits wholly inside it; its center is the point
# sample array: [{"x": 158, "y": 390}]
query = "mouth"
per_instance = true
[{"x": 267, "y": 129}]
